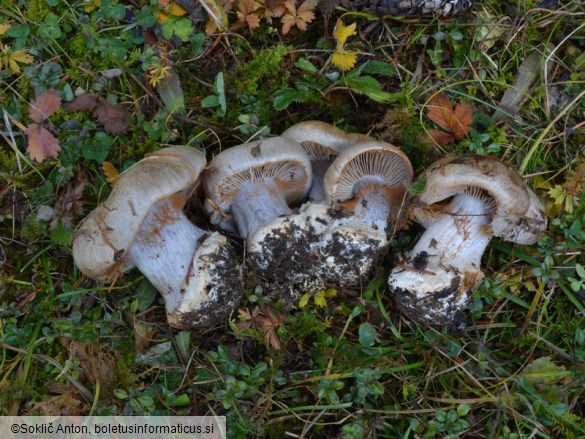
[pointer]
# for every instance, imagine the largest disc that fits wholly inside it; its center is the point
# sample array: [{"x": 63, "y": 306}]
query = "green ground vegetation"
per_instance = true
[{"x": 348, "y": 363}]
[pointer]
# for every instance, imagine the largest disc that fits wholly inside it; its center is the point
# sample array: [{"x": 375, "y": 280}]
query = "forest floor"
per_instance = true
[{"x": 344, "y": 363}]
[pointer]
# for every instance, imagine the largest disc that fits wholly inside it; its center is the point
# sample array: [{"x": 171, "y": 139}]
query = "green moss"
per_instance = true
[
  {"x": 264, "y": 66},
  {"x": 37, "y": 10}
]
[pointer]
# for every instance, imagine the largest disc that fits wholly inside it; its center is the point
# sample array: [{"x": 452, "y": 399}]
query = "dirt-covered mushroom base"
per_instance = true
[
  {"x": 432, "y": 298},
  {"x": 213, "y": 287},
  {"x": 311, "y": 250}
]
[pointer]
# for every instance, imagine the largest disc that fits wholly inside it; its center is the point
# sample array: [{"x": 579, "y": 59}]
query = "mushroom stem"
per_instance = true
[
  {"x": 458, "y": 237},
  {"x": 256, "y": 203},
  {"x": 164, "y": 249},
  {"x": 372, "y": 204},
  {"x": 317, "y": 191}
]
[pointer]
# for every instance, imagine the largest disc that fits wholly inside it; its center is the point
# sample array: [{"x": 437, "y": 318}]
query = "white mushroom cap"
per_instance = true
[
  {"x": 108, "y": 232},
  {"x": 321, "y": 140},
  {"x": 281, "y": 161}
]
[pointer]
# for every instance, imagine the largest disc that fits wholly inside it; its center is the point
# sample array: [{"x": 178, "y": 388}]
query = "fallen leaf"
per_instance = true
[
  {"x": 12, "y": 58},
  {"x": 44, "y": 106},
  {"x": 4, "y": 27},
  {"x": 300, "y": 16},
  {"x": 111, "y": 173},
  {"x": 342, "y": 32},
  {"x": 113, "y": 117},
  {"x": 84, "y": 102},
  {"x": 247, "y": 13},
  {"x": 454, "y": 123},
  {"x": 41, "y": 143},
  {"x": 68, "y": 204}
]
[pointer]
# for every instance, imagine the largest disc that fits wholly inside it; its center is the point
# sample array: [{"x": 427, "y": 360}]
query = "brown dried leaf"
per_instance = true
[
  {"x": 300, "y": 16},
  {"x": 45, "y": 105},
  {"x": 269, "y": 325},
  {"x": 247, "y": 13},
  {"x": 248, "y": 319},
  {"x": 441, "y": 137},
  {"x": 41, "y": 143},
  {"x": 84, "y": 102},
  {"x": 456, "y": 124},
  {"x": 113, "y": 117}
]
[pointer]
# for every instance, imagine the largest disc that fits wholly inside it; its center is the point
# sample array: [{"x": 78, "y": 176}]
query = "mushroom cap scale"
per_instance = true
[
  {"x": 106, "y": 234},
  {"x": 371, "y": 161},
  {"x": 279, "y": 159},
  {"x": 321, "y": 140},
  {"x": 516, "y": 207}
]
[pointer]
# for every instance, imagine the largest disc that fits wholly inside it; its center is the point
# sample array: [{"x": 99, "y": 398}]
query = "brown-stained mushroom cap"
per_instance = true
[
  {"x": 112, "y": 228},
  {"x": 518, "y": 214},
  {"x": 249, "y": 184},
  {"x": 321, "y": 140}
]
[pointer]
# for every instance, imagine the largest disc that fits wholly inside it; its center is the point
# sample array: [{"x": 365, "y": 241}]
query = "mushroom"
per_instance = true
[
  {"x": 338, "y": 242},
  {"x": 142, "y": 225},
  {"x": 467, "y": 200},
  {"x": 249, "y": 185},
  {"x": 323, "y": 142}
]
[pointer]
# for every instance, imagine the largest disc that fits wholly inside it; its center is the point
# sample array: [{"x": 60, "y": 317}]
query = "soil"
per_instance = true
[
  {"x": 224, "y": 290},
  {"x": 296, "y": 259}
]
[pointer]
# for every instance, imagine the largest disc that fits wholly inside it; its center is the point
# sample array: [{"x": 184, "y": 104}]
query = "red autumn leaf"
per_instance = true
[
  {"x": 41, "y": 143},
  {"x": 456, "y": 124},
  {"x": 46, "y": 104}
]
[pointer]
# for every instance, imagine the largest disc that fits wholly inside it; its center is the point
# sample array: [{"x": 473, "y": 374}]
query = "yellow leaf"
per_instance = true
[
  {"x": 111, "y": 173},
  {"x": 177, "y": 10},
  {"x": 320, "y": 299},
  {"x": 90, "y": 5},
  {"x": 344, "y": 60},
  {"x": 4, "y": 27},
  {"x": 162, "y": 17},
  {"x": 330, "y": 292},
  {"x": 21, "y": 57},
  {"x": 304, "y": 300},
  {"x": 342, "y": 32}
]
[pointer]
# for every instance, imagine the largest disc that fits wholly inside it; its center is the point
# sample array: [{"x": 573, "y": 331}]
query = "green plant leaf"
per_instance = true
[
  {"x": 183, "y": 29},
  {"x": 370, "y": 87},
  {"x": 367, "y": 335}
]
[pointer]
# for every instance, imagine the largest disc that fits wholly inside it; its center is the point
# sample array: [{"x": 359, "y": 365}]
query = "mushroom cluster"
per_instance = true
[
  {"x": 339, "y": 241},
  {"x": 355, "y": 197},
  {"x": 354, "y": 185}
]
